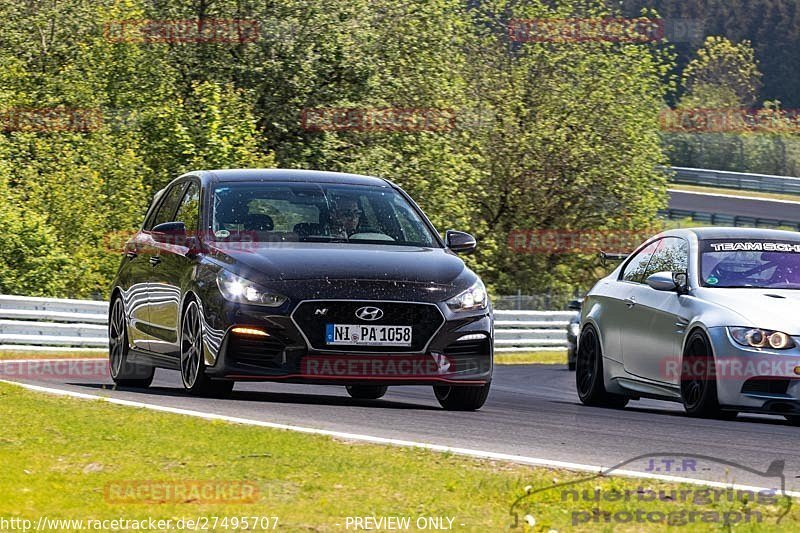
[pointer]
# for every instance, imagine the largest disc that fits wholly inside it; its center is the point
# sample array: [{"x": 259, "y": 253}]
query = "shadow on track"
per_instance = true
[{"x": 268, "y": 397}]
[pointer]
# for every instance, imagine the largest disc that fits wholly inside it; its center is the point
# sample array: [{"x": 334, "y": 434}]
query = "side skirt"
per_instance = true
[{"x": 154, "y": 360}]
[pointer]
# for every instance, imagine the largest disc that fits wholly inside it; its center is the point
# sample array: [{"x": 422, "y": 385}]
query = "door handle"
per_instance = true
[
  {"x": 154, "y": 260},
  {"x": 630, "y": 302}
]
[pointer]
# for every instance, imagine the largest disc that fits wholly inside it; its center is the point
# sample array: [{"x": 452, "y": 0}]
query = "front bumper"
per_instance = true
[
  {"x": 458, "y": 352},
  {"x": 755, "y": 380}
]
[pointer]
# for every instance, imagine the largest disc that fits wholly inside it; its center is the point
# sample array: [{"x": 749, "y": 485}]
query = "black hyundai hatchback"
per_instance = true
[{"x": 299, "y": 276}]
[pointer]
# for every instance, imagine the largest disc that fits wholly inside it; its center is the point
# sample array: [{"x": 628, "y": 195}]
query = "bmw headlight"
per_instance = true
[
  {"x": 238, "y": 289},
  {"x": 473, "y": 298},
  {"x": 762, "y": 338}
]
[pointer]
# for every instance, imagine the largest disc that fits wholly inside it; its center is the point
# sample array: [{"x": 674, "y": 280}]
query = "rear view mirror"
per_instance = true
[
  {"x": 575, "y": 305},
  {"x": 668, "y": 281},
  {"x": 460, "y": 242},
  {"x": 170, "y": 233}
]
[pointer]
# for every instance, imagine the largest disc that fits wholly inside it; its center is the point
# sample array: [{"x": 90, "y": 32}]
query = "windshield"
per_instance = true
[
  {"x": 750, "y": 263},
  {"x": 312, "y": 212}
]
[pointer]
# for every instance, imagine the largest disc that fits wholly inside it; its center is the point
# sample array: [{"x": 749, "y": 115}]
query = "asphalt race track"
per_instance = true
[
  {"x": 736, "y": 204},
  {"x": 532, "y": 410}
]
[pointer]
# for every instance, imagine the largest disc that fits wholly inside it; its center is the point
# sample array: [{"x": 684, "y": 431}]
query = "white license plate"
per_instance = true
[{"x": 359, "y": 334}]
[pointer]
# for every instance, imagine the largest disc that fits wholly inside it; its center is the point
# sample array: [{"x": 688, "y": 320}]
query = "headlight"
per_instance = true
[
  {"x": 575, "y": 329},
  {"x": 762, "y": 338},
  {"x": 473, "y": 298},
  {"x": 238, "y": 289}
]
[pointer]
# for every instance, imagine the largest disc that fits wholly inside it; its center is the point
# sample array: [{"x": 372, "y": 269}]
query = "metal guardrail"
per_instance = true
[
  {"x": 736, "y": 180},
  {"x": 28, "y": 323},
  {"x": 48, "y": 323},
  {"x": 716, "y": 219},
  {"x": 531, "y": 331}
]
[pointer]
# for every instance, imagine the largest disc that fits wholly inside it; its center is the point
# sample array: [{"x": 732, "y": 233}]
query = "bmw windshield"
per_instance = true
[
  {"x": 316, "y": 212},
  {"x": 750, "y": 263}
]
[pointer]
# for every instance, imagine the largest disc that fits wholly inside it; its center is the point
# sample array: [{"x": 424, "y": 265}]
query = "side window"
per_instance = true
[
  {"x": 672, "y": 256},
  {"x": 166, "y": 211},
  {"x": 637, "y": 266},
  {"x": 189, "y": 210}
]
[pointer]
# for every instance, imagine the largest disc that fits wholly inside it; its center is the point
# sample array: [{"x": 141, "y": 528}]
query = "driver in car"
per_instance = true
[{"x": 344, "y": 217}]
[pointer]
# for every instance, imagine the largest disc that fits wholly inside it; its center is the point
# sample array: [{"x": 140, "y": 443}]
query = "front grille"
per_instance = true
[
  {"x": 765, "y": 386},
  {"x": 261, "y": 352},
  {"x": 465, "y": 348},
  {"x": 312, "y": 317}
]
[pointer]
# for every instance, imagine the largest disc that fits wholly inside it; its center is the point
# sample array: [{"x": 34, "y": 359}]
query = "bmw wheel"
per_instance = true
[
  {"x": 589, "y": 373},
  {"x": 192, "y": 361},
  {"x": 124, "y": 373},
  {"x": 698, "y": 379}
]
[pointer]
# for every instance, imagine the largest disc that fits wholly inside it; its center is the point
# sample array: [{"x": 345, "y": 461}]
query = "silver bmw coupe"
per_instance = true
[{"x": 709, "y": 317}]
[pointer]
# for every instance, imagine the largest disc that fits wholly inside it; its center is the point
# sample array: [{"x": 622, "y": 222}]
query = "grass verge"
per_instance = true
[
  {"x": 67, "y": 459},
  {"x": 55, "y": 354},
  {"x": 557, "y": 357}
]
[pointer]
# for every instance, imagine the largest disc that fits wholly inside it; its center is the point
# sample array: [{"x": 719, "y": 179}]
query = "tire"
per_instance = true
[
  {"x": 192, "y": 361},
  {"x": 461, "y": 398},
  {"x": 698, "y": 379},
  {"x": 122, "y": 372},
  {"x": 589, "y": 373},
  {"x": 793, "y": 419},
  {"x": 366, "y": 392}
]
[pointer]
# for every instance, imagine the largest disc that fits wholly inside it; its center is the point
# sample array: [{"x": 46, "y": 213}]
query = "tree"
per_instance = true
[{"x": 723, "y": 74}]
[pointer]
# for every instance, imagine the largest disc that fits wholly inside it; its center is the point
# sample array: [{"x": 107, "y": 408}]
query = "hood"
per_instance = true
[
  {"x": 775, "y": 309},
  {"x": 264, "y": 262}
]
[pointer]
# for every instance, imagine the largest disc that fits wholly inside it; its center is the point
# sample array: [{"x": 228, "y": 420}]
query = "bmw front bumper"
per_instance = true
[{"x": 756, "y": 380}]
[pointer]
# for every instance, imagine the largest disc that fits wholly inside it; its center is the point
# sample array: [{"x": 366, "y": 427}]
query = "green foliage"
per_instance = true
[
  {"x": 723, "y": 74},
  {"x": 545, "y": 136}
]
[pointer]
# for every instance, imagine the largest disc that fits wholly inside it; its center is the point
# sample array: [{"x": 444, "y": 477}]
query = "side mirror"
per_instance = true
[
  {"x": 460, "y": 242},
  {"x": 575, "y": 305},
  {"x": 170, "y": 233},
  {"x": 668, "y": 281}
]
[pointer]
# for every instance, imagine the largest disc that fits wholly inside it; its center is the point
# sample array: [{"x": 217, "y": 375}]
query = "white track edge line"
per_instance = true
[{"x": 477, "y": 454}]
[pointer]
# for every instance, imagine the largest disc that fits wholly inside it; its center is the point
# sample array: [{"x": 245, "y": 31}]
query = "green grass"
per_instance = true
[
  {"x": 556, "y": 357},
  {"x": 33, "y": 354},
  {"x": 58, "y": 456}
]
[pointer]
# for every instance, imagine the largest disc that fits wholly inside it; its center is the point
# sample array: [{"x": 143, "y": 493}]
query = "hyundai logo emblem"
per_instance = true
[{"x": 369, "y": 313}]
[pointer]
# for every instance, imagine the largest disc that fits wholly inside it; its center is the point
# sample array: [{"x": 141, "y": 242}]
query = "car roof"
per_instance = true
[
  {"x": 290, "y": 175},
  {"x": 744, "y": 233}
]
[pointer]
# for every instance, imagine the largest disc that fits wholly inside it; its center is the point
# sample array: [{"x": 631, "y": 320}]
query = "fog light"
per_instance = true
[
  {"x": 797, "y": 370},
  {"x": 472, "y": 337},
  {"x": 250, "y": 331}
]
